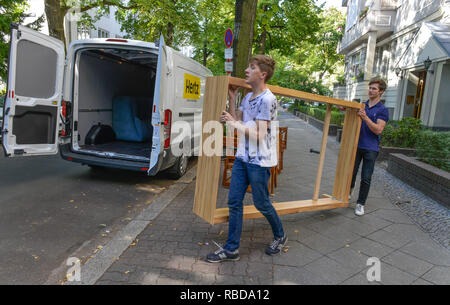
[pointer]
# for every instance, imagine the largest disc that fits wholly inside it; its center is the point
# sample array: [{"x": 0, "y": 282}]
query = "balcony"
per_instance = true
[{"x": 379, "y": 18}]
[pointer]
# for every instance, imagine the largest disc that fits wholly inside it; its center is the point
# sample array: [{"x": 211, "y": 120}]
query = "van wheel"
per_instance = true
[{"x": 179, "y": 168}]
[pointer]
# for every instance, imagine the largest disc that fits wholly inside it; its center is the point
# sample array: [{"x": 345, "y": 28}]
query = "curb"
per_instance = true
[{"x": 94, "y": 269}]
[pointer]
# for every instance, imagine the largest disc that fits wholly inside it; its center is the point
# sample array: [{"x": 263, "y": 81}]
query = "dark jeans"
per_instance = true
[
  {"x": 368, "y": 157},
  {"x": 242, "y": 175}
]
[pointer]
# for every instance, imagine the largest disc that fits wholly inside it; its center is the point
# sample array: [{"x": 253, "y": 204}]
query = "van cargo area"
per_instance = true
[{"x": 112, "y": 110}]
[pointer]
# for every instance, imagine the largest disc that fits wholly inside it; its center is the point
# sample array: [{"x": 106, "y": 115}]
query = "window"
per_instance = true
[
  {"x": 35, "y": 78},
  {"x": 83, "y": 32},
  {"x": 102, "y": 33},
  {"x": 356, "y": 64}
]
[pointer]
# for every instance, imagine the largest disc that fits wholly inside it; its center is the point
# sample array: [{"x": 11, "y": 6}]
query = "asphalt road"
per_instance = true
[{"x": 52, "y": 209}]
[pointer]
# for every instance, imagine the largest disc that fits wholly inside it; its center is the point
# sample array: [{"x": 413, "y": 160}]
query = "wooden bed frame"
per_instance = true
[{"x": 208, "y": 168}]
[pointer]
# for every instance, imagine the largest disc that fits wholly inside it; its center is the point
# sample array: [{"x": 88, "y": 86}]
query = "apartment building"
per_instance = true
[{"x": 407, "y": 43}]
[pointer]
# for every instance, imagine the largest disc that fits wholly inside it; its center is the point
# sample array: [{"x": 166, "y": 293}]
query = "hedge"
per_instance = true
[
  {"x": 337, "y": 117},
  {"x": 432, "y": 147}
]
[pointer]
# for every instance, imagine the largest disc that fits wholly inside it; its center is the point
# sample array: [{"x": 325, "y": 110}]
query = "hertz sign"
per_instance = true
[{"x": 191, "y": 87}]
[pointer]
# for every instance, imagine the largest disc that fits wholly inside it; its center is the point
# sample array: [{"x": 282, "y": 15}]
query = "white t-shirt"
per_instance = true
[{"x": 262, "y": 107}]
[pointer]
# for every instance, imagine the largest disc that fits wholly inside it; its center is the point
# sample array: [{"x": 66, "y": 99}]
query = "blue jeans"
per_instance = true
[
  {"x": 368, "y": 157},
  {"x": 242, "y": 175}
]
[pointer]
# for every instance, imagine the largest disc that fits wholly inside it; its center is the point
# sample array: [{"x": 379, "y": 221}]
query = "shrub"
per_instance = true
[
  {"x": 434, "y": 148},
  {"x": 403, "y": 133},
  {"x": 318, "y": 113}
]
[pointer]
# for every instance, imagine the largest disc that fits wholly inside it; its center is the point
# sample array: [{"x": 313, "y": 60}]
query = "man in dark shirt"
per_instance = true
[{"x": 374, "y": 118}]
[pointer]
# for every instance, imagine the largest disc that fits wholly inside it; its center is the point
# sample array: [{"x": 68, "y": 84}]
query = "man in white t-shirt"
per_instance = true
[{"x": 256, "y": 154}]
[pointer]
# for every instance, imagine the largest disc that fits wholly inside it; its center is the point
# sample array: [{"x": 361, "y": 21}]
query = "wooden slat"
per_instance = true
[
  {"x": 347, "y": 154},
  {"x": 323, "y": 148},
  {"x": 208, "y": 168},
  {"x": 238, "y": 82},
  {"x": 283, "y": 208}
]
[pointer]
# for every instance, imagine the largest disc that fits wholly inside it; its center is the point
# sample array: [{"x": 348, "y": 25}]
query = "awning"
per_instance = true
[{"x": 431, "y": 41}]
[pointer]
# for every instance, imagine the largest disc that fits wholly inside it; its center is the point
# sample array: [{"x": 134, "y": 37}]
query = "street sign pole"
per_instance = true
[{"x": 228, "y": 51}]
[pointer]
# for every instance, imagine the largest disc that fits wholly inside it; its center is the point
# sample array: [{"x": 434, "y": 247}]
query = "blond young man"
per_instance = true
[{"x": 255, "y": 155}]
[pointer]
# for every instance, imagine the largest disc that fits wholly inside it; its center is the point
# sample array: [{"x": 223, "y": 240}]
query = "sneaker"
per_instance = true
[
  {"x": 359, "y": 209},
  {"x": 222, "y": 255},
  {"x": 276, "y": 246}
]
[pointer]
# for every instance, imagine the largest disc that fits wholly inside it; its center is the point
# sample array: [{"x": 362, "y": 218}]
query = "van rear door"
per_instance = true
[
  {"x": 33, "y": 99},
  {"x": 156, "y": 114}
]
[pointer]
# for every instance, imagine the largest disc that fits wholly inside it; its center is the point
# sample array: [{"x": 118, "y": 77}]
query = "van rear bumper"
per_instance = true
[{"x": 69, "y": 155}]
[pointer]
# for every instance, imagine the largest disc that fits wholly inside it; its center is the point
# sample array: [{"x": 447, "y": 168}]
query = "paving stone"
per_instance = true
[
  {"x": 393, "y": 276},
  {"x": 438, "y": 275},
  {"x": 260, "y": 270},
  {"x": 394, "y": 216},
  {"x": 359, "y": 279},
  {"x": 350, "y": 258},
  {"x": 429, "y": 252},
  {"x": 321, "y": 243},
  {"x": 371, "y": 248},
  {"x": 330, "y": 269},
  {"x": 390, "y": 239},
  {"x": 407, "y": 263},
  {"x": 284, "y": 275},
  {"x": 298, "y": 255},
  {"x": 421, "y": 282}
]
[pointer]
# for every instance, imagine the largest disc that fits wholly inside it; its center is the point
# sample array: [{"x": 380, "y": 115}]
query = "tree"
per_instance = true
[
  {"x": 314, "y": 62},
  {"x": 56, "y": 10},
  {"x": 175, "y": 19},
  {"x": 285, "y": 25},
  {"x": 322, "y": 56},
  {"x": 245, "y": 16},
  {"x": 207, "y": 38},
  {"x": 12, "y": 11}
]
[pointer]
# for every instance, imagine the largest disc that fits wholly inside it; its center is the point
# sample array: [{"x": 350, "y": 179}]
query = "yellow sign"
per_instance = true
[{"x": 191, "y": 87}]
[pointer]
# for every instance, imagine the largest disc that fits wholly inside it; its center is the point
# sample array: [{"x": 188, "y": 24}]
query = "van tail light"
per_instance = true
[
  {"x": 167, "y": 127},
  {"x": 65, "y": 115}
]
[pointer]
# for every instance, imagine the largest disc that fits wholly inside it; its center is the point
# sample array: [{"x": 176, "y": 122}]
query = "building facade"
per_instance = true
[{"x": 406, "y": 43}]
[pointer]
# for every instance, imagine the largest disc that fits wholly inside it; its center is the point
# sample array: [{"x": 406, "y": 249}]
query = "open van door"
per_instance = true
[
  {"x": 156, "y": 114},
  {"x": 33, "y": 98}
]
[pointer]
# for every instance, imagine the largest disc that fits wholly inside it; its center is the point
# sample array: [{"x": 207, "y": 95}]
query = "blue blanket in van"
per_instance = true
[{"x": 126, "y": 123}]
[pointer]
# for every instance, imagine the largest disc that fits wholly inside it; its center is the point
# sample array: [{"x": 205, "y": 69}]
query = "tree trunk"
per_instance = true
[
  {"x": 263, "y": 38},
  {"x": 55, "y": 19},
  {"x": 262, "y": 42},
  {"x": 245, "y": 15},
  {"x": 170, "y": 32},
  {"x": 205, "y": 53}
]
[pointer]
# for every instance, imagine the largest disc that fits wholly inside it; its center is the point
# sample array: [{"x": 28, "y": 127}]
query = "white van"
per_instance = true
[{"x": 110, "y": 102}]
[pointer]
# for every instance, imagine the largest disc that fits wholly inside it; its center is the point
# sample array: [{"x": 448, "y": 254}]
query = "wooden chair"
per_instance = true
[
  {"x": 282, "y": 145},
  {"x": 228, "y": 165}
]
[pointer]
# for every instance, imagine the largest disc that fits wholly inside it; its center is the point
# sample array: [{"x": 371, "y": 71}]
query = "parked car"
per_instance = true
[
  {"x": 286, "y": 105},
  {"x": 110, "y": 102}
]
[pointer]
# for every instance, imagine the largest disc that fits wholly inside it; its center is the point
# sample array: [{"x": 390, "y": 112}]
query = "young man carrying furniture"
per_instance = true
[{"x": 256, "y": 154}]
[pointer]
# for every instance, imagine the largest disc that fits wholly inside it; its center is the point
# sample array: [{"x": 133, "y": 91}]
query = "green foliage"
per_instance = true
[
  {"x": 434, "y": 148},
  {"x": 278, "y": 26},
  {"x": 403, "y": 133},
  {"x": 2, "y": 97},
  {"x": 11, "y": 11},
  {"x": 337, "y": 117}
]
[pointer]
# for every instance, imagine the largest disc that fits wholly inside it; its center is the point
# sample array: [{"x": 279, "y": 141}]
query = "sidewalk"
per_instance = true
[{"x": 327, "y": 247}]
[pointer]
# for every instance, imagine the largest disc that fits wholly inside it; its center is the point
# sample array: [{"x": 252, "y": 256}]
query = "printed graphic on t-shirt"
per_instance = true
[{"x": 264, "y": 152}]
